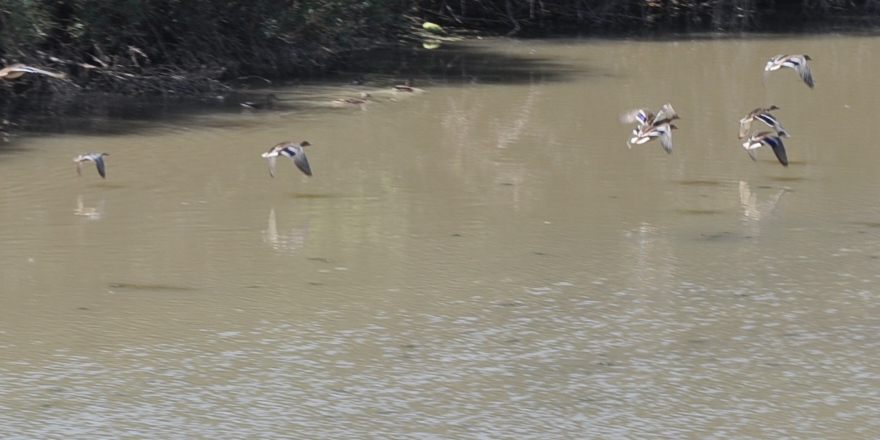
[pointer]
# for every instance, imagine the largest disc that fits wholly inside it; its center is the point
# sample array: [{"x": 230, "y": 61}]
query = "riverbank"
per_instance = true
[
  {"x": 170, "y": 49},
  {"x": 173, "y": 50}
]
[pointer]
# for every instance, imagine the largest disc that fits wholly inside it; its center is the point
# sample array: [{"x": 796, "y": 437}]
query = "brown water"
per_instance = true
[{"x": 485, "y": 260}]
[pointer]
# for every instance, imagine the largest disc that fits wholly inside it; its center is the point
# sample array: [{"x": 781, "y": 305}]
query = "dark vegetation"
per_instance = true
[
  {"x": 184, "y": 47},
  {"x": 192, "y": 47},
  {"x": 648, "y": 17}
]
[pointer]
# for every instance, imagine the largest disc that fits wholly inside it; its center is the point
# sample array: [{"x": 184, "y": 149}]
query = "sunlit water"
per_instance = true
[{"x": 486, "y": 259}]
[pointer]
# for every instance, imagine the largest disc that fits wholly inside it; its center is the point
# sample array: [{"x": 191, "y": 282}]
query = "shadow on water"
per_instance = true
[
  {"x": 698, "y": 182},
  {"x": 721, "y": 236},
  {"x": 700, "y": 211},
  {"x": 151, "y": 287},
  {"x": 313, "y": 196},
  {"x": 107, "y": 185},
  {"x": 461, "y": 64},
  {"x": 786, "y": 178},
  {"x": 103, "y": 114},
  {"x": 870, "y": 224}
]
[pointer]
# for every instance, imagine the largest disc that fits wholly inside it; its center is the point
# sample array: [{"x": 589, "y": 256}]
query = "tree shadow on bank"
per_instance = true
[{"x": 93, "y": 113}]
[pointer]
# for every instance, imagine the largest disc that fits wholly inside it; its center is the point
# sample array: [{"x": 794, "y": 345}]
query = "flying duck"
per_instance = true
[
  {"x": 796, "y": 62},
  {"x": 644, "y": 116},
  {"x": 292, "y": 150},
  {"x": 766, "y": 138},
  {"x": 763, "y": 115},
  {"x": 16, "y": 70},
  {"x": 651, "y": 126},
  {"x": 97, "y": 158},
  {"x": 646, "y": 133}
]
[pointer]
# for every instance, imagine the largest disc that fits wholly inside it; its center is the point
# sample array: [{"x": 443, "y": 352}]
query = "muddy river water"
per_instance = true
[{"x": 484, "y": 259}]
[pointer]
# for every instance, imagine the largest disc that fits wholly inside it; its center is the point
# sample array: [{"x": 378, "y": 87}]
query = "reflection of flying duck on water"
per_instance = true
[
  {"x": 752, "y": 210},
  {"x": 291, "y": 241},
  {"x": 88, "y": 212}
]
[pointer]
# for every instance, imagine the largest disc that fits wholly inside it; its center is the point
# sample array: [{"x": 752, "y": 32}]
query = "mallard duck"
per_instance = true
[
  {"x": 292, "y": 150},
  {"x": 651, "y": 126},
  {"x": 16, "y": 70},
  {"x": 267, "y": 104},
  {"x": 644, "y": 116},
  {"x": 646, "y": 133},
  {"x": 766, "y": 138},
  {"x": 796, "y": 62},
  {"x": 763, "y": 115},
  {"x": 97, "y": 158},
  {"x": 352, "y": 101}
]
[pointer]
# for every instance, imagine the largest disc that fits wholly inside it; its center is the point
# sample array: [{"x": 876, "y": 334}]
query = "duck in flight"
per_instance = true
[
  {"x": 766, "y": 138},
  {"x": 16, "y": 70},
  {"x": 646, "y": 133},
  {"x": 651, "y": 126},
  {"x": 644, "y": 116},
  {"x": 97, "y": 158},
  {"x": 763, "y": 115},
  {"x": 796, "y": 62},
  {"x": 292, "y": 150}
]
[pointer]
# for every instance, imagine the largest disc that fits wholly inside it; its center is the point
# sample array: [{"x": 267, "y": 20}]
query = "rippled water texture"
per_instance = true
[{"x": 485, "y": 259}]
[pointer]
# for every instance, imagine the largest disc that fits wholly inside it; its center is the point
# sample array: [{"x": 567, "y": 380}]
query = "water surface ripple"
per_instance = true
[{"x": 480, "y": 260}]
